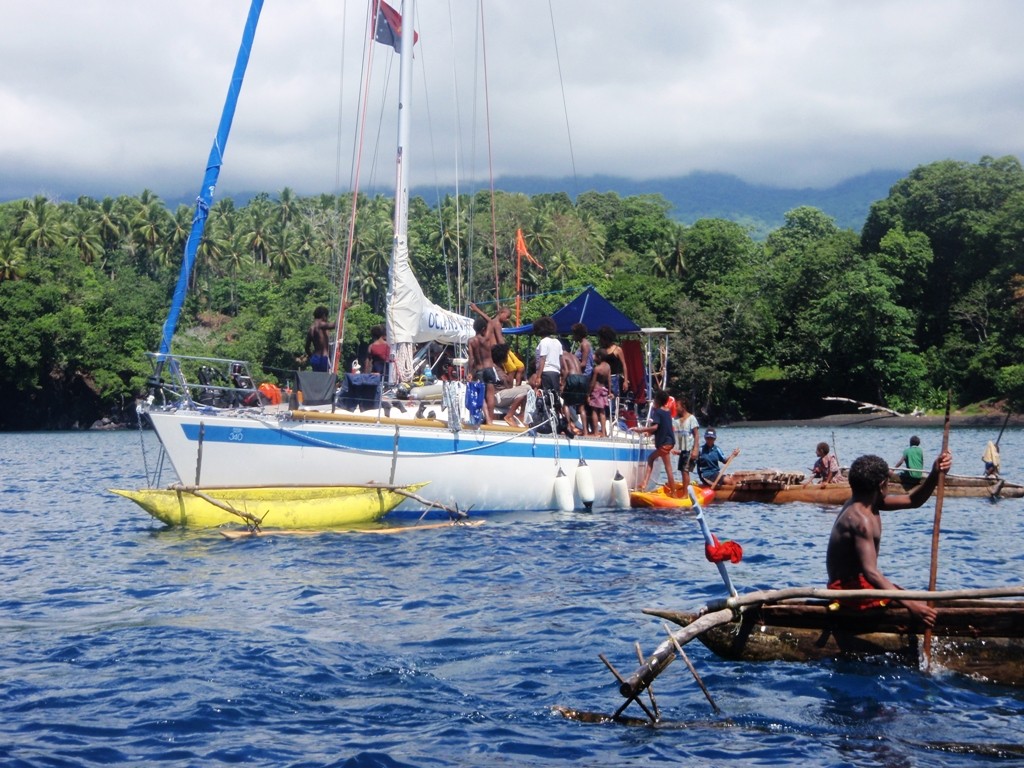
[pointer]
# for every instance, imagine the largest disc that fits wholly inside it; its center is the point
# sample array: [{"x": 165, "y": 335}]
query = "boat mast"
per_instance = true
[
  {"x": 402, "y": 347},
  {"x": 205, "y": 199}
]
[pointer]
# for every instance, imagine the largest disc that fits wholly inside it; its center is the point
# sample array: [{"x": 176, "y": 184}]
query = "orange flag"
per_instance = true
[{"x": 521, "y": 250}]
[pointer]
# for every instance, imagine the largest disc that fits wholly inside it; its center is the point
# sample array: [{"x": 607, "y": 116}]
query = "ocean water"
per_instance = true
[{"x": 126, "y": 643}]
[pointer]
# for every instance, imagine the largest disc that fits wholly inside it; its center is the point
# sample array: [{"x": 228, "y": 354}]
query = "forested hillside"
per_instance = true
[{"x": 928, "y": 296}]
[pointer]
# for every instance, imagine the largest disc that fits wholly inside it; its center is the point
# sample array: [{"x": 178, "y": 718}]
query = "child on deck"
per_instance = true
[{"x": 664, "y": 440}]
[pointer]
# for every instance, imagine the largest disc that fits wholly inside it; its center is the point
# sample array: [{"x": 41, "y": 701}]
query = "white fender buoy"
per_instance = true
[
  {"x": 563, "y": 492},
  {"x": 620, "y": 491},
  {"x": 585, "y": 484}
]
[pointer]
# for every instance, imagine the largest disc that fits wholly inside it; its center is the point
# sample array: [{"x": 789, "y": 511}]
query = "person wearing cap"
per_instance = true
[{"x": 710, "y": 457}]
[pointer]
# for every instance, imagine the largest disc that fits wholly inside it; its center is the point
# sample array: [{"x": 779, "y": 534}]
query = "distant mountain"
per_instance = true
[
  {"x": 722, "y": 196},
  {"x": 759, "y": 207}
]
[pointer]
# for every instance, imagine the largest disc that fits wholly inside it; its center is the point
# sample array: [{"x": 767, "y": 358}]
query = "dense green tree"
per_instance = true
[{"x": 929, "y": 296}]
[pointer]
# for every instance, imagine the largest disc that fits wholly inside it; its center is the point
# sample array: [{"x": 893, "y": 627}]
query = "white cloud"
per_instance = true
[{"x": 118, "y": 96}]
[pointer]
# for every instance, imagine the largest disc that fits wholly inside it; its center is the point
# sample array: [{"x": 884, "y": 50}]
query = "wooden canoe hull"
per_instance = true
[
  {"x": 660, "y": 498},
  {"x": 299, "y": 507},
  {"x": 833, "y": 494},
  {"x": 980, "y": 638}
]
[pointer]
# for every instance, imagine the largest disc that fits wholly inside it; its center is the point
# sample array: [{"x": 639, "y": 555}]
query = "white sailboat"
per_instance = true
[{"x": 478, "y": 467}]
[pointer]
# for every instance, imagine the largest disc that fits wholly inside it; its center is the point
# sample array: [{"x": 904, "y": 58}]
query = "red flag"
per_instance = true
[
  {"x": 521, "y": 250},
  {"x": 388, "y": 29}
]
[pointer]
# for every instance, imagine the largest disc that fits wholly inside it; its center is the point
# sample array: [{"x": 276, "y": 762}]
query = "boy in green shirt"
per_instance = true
[{"x": 913, "y": 458}]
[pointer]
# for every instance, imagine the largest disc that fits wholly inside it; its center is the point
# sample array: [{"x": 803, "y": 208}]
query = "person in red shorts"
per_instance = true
[{"x": 852, "y": 557}]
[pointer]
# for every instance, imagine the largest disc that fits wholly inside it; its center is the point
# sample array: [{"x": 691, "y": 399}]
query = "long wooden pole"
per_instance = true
[
  {"x": 721, "y": 474},
  {"x": 940, "y": 493}
]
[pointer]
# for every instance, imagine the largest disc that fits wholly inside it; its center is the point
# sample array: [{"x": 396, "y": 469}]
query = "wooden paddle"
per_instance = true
[
  {"x": 940, "y": 493},
  {"x": 721, "y": 474}
]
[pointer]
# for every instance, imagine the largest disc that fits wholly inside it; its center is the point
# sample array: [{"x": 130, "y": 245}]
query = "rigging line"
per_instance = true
[
  {"x": 450, "y": 298},
  {"x": 367, "y": 69},
  {"x": 437, "y": 181},
  {"x": 471, "y": 220},
  {"x": 490, "y": 153},
  {"x": 333, "y": 225},
  {"x": 341, "y": 100},
  {"x": 458, "y": 306},
  {"x": 565, "y": 108}
]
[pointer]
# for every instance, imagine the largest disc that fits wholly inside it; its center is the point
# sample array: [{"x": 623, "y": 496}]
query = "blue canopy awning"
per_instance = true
[{"x": 590, "y": 308}]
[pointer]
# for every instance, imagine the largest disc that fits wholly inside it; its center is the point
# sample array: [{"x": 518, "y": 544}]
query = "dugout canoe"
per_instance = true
[
  {"x": 980, "y": 638},
  {"x": 771, "y": 487},
  {"x": 287, "y": 507}
]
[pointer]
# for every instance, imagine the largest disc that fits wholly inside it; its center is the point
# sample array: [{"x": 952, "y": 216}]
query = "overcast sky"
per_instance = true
[{"x": 116, "y": 96}]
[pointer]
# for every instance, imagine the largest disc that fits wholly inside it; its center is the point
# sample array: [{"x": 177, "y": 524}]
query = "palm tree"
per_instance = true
[
  {"x": 147, "y": 230},
  {"x": 561, "y": 267},
  {"x": 110, "y": 223},
  {"x": 234, "y": 254},
  {"x": 282, "y": 257},
  {"x": 41, "y": 226},
  {"x": 12, "y": 257},
  {"x": 287, "y": 206},
  {"x": 258, "y": 231},
  {"x": 83, "y": 235}
]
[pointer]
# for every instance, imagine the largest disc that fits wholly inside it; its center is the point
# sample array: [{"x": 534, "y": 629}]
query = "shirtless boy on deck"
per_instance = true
[
  {"x": 513, "y": 366},
  {"x": 852, "y": 558},
  {"x": 482, "y": 366}
]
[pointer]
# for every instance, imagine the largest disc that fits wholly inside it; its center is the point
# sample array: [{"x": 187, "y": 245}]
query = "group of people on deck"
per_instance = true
[{"x": 585, "y": 380}]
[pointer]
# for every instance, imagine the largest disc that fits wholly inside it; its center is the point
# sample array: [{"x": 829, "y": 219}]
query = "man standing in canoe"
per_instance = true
[{"x": 852, "y": 558}]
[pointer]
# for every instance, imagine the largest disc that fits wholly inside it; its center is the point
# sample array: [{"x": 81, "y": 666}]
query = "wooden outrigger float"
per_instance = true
[{"x": 285, "y": 507}]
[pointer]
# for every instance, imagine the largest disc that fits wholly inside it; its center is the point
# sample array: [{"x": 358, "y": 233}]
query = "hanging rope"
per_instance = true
[
  {"x": 490, "y": 155},
  {"x": 357, "y": 155}
]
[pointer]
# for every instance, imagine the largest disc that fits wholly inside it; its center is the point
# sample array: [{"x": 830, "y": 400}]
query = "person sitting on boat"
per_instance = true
[
  {"x": 508, "y": 395},
  {"x": 826, "y": 467},
  {"x": 852, "y": 556},
  {"x": 496, "y": 332},
  {"x": 664, "y": 440},
  {"x": 913, "y": 457},
  {"x": 379, "y": 353},
  {"x": 318, "y": 341},
  {"x": 710, "y": 457},
  {"x": 687, "y": 430},
  {"x": 482, "y": 365}
]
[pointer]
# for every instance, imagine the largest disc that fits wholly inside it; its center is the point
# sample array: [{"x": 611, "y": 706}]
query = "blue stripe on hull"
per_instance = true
[{"x": 383, "y": 441}]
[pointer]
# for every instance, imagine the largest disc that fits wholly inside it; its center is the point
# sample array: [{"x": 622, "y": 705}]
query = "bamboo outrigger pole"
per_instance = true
[{"x": 940, "y": 493}]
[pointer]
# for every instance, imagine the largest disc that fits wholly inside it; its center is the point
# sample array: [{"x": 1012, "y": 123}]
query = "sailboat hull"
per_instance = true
[{"x": 485, "y": 469}]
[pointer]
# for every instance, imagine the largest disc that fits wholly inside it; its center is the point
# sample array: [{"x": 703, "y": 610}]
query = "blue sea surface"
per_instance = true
[{"x": 128, "y": 643}]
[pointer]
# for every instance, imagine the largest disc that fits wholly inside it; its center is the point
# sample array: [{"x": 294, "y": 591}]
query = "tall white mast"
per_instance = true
[{"x": 411, "y": 318}]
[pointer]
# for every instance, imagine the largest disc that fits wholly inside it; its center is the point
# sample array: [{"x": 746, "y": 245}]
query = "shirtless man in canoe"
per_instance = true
[{"x": 852, "y": 558}]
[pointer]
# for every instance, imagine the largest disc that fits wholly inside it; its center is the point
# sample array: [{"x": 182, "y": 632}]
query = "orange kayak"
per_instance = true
[{"x": 660, "y": 498}]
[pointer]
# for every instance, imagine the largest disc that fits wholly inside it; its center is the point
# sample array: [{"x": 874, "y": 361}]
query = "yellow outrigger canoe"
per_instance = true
[{"x": 305, "y": 507}]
